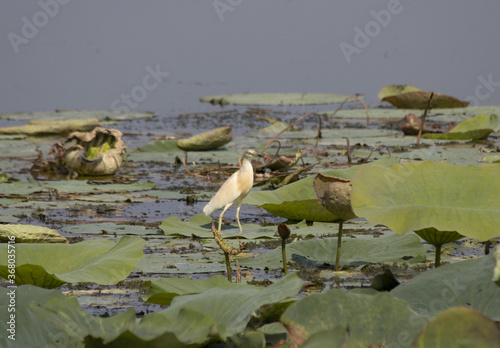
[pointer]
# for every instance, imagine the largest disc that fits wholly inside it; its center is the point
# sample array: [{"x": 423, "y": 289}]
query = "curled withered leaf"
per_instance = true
[
  {"x": 335, "y": 195},
  {"x": 99, "y": 152},
  {"x": 207, "y": 141}
]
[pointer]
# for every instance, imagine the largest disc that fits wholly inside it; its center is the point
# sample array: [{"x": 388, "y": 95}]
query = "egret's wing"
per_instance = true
[{"x": 228, "y": 192}]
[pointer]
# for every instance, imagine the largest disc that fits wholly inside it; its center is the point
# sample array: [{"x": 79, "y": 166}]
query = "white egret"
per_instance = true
[{"x": 234, "y": 190}]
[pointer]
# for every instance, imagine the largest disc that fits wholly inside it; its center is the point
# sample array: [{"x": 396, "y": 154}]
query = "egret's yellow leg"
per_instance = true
[
  {"x": 223, "y": 211},
  {"x": 238, "y": 217}
]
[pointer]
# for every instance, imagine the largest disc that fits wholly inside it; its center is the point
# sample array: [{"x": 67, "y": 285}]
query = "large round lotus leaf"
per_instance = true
[
  {"x": 30, "y": 329},
  {"x": 477, "y": 127},
  {"x": 277, "y": 99},
  {"x": 298, "y": 201},
  {"x": 29, "y": 234},
  {"x": 466, "y": 283},
  {"x": 123, "y": 330},
  {"x": 162, "y": 291},
  {"x": 51, "y": 265},
  {"x": 317, "y": 251},
  {"x": 418, "y": 195},
  {"x": 207, "y": 141},
  {"x": 373, "y": 320},
  {"x": 459, "y": 327}
]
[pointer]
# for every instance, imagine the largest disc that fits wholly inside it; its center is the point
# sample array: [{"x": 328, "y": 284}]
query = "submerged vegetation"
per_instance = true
[{"x": 329, "y": 257}]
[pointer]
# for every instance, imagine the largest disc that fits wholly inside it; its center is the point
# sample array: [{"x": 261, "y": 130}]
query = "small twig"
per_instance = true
[
  {"x": 366, "y": 109},
  {"x": 427, "y": 107},
  {"x": 375, "y": 148},
  {"x": 238, "y": 272},
  {"x": 226, "y": 248},
  {"x": 293, "y": 124},
  {"x": 349, "y": 159},
  {"x": 184, "y": 160}
]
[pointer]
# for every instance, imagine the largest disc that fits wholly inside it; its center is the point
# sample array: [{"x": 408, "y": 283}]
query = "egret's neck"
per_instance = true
[{"x": 246, "y": 165}]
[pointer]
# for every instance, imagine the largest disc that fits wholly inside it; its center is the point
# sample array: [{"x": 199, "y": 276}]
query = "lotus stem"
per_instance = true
[
  {"x": 283, "y": 253},
  {"x": 437, "y": 260},
  {"x": 339, "y": 245},
  {"x": 487, "y": 246},
  {"x": 229, "y": 277},
  {"x": 423, "y": 119}
]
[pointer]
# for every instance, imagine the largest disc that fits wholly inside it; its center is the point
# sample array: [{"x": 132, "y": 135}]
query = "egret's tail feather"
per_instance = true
[{"x": 208, "y": 209}]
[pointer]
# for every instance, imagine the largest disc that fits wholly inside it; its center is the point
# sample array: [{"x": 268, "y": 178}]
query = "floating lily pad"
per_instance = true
[
  {"x": 418, "y": 195},
  {"x": 363, "y": 320},
  {"x": 162, "y": 291},
  {"x": 30, "y": 234},
  {"x": 200, "y": 226},
  {"x": 102, "y": 115},
  {"x": 277, "y": 99},
  {"x": 465, "y": 283},
  {"x": 51, "y": 265},
  {"x": 477, "y": 127},
  {"x": 108, "y": 228},
  {"x": 409, "y": 97},
  {"x": 210, "y": 140},
  {"x": 459, "y": 327},
  {"x": 51, "y": 127},
  {"x": 317, "y": 252}
]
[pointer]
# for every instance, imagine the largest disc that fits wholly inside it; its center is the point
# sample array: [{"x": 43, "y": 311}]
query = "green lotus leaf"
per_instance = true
[
  {"x": 51, "y": 265},
  {"x": 30, "y": 329},
  {"x": 373, "y": 320},
  {"x": 29, "y": 234},
  {"x": 391, "y": 90},
  {"x": 122, "y": 330},
  {"x": 200, "y": 226},
  {"x": 232, "y": 308},
  {"x": 491, "y": 159},
  {"x": 207, "y": 140},
  {"x": 335, "y": 195},
  {"x": 438, "y": 238},
  {"x": 51, "y": 127},
  {"x": 419, "y": 195},
  {"x": 317, "y": 252},
  {"x": 277, "y": 99},
  {"x": 298, "y": 201},
  {"x": 162, "y": 291},
  {"x": 459, "y": 327},
  {"x": 465, "y": 283},
  {"x": 477, "y": 127}
]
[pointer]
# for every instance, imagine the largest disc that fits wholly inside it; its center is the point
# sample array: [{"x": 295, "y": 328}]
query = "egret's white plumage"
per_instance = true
[{"x": 234, "y": 190}]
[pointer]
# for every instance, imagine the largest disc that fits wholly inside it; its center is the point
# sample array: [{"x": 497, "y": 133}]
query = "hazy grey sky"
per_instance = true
[{"x": 72, "y": 54}]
